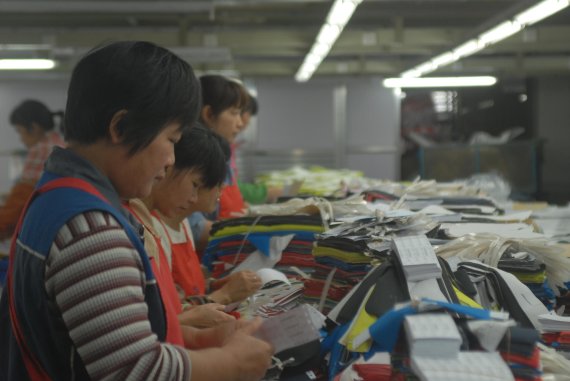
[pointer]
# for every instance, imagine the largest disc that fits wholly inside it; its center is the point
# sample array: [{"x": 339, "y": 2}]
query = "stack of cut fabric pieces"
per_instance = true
[
  {"x": 531, "y": 272},
  {"x": 345, "y": 260},
  {"x": 232, "y": 241},
  {"x": 519, "y": 349},
  {"x": 560, "y": 341},
  {"x": 352, "y": 249}
]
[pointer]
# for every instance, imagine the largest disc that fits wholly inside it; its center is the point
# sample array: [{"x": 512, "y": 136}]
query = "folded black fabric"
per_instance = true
[
  {"x": 465, "y": 284},
  {"x": 390, "y": 289},
  {"x": 520, "y": 340},
  {"x": 349, "y": 310}
]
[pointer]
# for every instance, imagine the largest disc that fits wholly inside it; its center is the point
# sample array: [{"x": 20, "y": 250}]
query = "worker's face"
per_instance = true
[
  {"x": 245, "y": 118},
  {"x": 227, "y": 124},
  {"x": 134, "y": 175},
  {"x": 208, "y": 199},
  {"x": 177, "y": 194},
  {"x": 30, "y": 136}
]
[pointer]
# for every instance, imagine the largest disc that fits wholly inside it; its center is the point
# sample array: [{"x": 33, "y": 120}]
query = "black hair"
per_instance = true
[
  {"x": 221, "y": 93},
  {"x": 252, "y": 105},
  {"x": 203, "y": 150},
  {"x": 152, "y": 84},
  {"x": 32, "y": 111}
]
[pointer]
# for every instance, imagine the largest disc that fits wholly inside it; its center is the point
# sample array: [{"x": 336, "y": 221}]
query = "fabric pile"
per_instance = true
[{"x": 235, "y": 240}]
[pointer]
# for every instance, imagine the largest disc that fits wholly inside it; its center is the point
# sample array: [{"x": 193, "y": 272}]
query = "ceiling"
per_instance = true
[{"x": 271, "y": 37}]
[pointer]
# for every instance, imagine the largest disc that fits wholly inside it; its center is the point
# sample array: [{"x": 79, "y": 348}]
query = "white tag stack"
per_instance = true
[
  {"x": 434, "y": 343},
  {"x": 467, "y": 366},
  {"x": 417, "y": 257},
  {"x": 425, "y": 332}
]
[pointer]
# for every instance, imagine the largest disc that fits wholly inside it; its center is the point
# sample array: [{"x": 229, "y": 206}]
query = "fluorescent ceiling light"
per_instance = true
[
  {"x": 437, "y": 82},
  {"x": 468, "y": 48},
  {"x": 338, "y": 16},
  {"x": 328, "y": 34},
  {"x": 443, "y": 59},
  {"x": 540, "y": 11},
  {"x": 340, "y": 12},
  {"x": 498, "y": 33},
  {"x": 26, "y": 64},
  {"x": 320, "y": 49}
]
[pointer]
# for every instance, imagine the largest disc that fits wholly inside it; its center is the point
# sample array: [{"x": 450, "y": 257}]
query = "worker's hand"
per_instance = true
[
  {"x": 251, "y": 356},
  {"x": 235, "y": 287},
  {"x": 205, "y": 316}
]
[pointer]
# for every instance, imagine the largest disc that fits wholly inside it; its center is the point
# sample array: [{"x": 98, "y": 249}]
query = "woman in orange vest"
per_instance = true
[
  {"x": 194, "y": 184},
  {"x": 223, "y": 101}
]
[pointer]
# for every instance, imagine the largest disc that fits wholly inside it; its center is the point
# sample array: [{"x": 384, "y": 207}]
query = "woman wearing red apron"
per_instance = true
[
  {"x": 185, "y": 264},
  {"x": 223, "y": 101},
  {"x": 194, "y": 184},
  {"x": 159, "y": 263}
]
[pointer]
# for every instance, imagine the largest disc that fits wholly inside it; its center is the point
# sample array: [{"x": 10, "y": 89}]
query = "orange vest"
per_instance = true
[
  {"x": 168, "y": 293},
  {"x": 186, "y": 269},
  {"x": 231, "y": 201}
]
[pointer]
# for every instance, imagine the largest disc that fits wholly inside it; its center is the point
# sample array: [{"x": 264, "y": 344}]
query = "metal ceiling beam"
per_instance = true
[{"x": 127, "y": 7}]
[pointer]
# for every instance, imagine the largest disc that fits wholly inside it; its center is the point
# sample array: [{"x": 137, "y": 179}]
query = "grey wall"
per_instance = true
[
  {"x": 338, "y": 123},
  {"x": 52, "y": 92},
  {"x": 552, "y": 121},
  {"x": 373, "y": 128}
]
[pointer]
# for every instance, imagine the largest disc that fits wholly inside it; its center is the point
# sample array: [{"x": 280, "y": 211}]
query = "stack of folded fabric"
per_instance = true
[
  {"x": 519, "y": 349},
  {"x": 234, "y": 240},
  {"x": 560, "y": 341},
  {"x": 537, "y": 263},
  {"x": 351, "y": 250},
  {"x": 531, "y": 272},
  {"x": 349, "y": 259}
]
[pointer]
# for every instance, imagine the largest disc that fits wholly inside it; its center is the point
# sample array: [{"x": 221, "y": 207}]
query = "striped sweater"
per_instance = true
[{"x": 96, "y": 279}]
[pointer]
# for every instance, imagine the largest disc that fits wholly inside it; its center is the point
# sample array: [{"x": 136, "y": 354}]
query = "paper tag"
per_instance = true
[{"x": 289, "y": 330}]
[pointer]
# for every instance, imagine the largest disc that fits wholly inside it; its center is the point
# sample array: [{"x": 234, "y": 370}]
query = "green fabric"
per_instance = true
[
  {"x": 253, "y": 193},
  {"x": 232, "y": 230}
]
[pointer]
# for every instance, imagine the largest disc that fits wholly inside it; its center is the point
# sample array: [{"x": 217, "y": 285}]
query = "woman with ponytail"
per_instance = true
[{"x": 35, "y": 125}]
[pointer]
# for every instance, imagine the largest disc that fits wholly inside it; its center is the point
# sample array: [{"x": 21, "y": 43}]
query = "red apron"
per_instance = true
[
  {"x": 168, "y": 293},
  {"x": 186, "y": 269},
  {"x": 231, "y": 201}
]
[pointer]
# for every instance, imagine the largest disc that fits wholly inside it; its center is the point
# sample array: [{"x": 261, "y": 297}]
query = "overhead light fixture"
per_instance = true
[
  {"x": 26, "y": 64},
  {"x": 498, "y": 33},
  {"x": 438, "y": 82},
  {"x": 338, "y": 16},
  {"x": 540, "y": 11}
]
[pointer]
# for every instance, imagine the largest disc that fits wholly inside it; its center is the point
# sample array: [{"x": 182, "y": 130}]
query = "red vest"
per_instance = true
[
  {"x": 231, "y": 201},
  {"x": 186, "y": 269},
  {"x": 168, "y": 293}
]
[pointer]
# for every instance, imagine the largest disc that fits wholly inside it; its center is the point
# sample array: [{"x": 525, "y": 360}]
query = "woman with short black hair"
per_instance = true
[{"x": 81, "y": 301}]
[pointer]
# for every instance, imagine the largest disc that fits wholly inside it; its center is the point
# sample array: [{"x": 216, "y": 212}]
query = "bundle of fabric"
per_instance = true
[
  {"x": 531, "y": 272},
  {"x": 538, "y": 263},
  {"x": 560, "y": 341},
  {"x": 344, "y": 261},
  {"x": 234, "y": 240},
  {"x": 519, "y": 349},
  {"x": 353, "y": 248}
]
